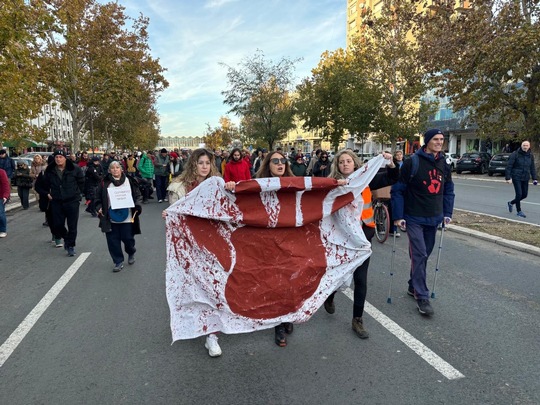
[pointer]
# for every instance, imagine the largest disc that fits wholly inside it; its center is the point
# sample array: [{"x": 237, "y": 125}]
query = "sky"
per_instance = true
[{"x": 192, "y": 37}]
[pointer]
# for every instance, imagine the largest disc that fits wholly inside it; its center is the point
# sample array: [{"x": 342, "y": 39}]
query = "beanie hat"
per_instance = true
[
  {"x": 174, "y": 155},
  {"x": 430, "y": 133},
  {"x": 163, "y": 150},
  {"x": 59, "y": 152}
]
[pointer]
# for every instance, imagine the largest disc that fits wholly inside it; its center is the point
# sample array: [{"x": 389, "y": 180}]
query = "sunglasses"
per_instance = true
[{"x": 277, "y": 161}]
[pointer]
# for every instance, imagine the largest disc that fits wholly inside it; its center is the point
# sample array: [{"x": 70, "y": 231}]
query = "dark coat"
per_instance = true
[
  {"x": 66, "y": 189},
  {"x": 102, "y": 202},
  {"x": 520, "y": 166},
  {"x": 94, "y": 176},
  {"x": 22, "y": 178}
]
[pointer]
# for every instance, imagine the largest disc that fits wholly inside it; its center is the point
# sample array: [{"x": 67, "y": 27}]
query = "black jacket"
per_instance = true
[
  {"x": 102, "y": 202},
  {"x": 94, "y": 176},
  {"x": 521, "y": 166},
  {"x": 66, "y": 189}
]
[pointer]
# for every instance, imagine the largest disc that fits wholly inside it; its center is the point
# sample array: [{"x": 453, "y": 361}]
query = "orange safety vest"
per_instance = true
[{"x": 367, "y": 211}]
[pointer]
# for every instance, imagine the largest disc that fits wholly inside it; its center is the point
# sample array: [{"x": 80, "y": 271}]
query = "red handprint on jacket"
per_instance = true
[{"x": 435, "y": 182}]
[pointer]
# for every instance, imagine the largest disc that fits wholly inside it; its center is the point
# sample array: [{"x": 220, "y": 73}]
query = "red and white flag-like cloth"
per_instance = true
[{"x": 271, "y": 252}]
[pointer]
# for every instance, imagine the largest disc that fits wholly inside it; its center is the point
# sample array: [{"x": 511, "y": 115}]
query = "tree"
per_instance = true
[
  {"x": 337, "y": 97},
  {"x": 22, "y": 90},
  {"x": 494, "y": 69},
  {"x": 387, "y": 45},
  {"x": 97, "y": 65},
  {"x": 259, "y": 91},
  {"x": 221, "y": 136}
]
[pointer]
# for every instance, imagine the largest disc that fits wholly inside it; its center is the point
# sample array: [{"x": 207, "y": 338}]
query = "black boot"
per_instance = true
[{"x": 280, "y": 338}]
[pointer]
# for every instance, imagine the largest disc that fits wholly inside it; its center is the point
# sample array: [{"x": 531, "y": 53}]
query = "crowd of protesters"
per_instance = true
[{"x": 65, "y": 179}]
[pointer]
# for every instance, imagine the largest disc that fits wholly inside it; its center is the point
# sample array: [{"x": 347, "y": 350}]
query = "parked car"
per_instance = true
[
  {"x": 451, "y": 159},
  {"x": 30, "y": 155},
  {"x": 26, "y": 160},
  {"x": 477, "y": 162},
  {"x": 498, "y": 163}
]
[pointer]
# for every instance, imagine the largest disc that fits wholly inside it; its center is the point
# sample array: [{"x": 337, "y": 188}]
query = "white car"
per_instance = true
[{"x": 451, "y": 159}]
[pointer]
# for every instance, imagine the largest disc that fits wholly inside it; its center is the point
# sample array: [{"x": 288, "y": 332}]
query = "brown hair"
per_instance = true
[{"x": 264, "y": 170}]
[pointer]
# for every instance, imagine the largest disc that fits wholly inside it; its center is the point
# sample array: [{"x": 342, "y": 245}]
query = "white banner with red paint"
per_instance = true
[{"x": 271, "y": 252}]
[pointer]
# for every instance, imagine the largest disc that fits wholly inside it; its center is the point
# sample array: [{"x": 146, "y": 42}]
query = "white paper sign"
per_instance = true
[{"x": 120, "y": 197}]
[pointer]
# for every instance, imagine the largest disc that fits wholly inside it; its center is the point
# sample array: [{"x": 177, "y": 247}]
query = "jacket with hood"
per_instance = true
[{"x": 520, "y": 166}]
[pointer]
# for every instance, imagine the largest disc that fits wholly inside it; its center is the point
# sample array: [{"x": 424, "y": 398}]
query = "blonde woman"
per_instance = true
[{"x": 38, "y": 166}]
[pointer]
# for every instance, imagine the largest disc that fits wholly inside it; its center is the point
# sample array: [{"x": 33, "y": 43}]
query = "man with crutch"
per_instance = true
[{"x": 422, "y": 199}]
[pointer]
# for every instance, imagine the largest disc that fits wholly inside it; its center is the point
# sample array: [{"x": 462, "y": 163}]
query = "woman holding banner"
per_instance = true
[
  {"x": 344, "y": 164},
  {"x": 199, "y": 167},
  {"x": 118, "y": 206}
]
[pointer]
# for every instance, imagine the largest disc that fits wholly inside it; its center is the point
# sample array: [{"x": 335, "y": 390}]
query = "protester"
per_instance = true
[
  {"x": 398, "y": 157},
  {"x": 146, "y": 170},
  {"x": 7, "y": 164},
  {"x": 237, "y": 168},
  {"x": 321, "y": 168},
  {"x": 314, "y": 159},
  {"x": 421, "y": 200},
  {"x": 63, "y": 183},
  {"x": 259, "y": 159},
  {"x": 83, "y": 161},
  {"x": 199, "y": 167},
  {"x": 519, "y": 170},
  {"x": 130, "y": 165},
  {"x": 175, "y": 166},
  {"x": 298, "y": 166},
  {"x": 344, "y": 164},
  {"x": 120, "y": 225},
  {"x": 277, "y": 165},
  {"x": 23, "y": 181},
  {"x": 38, "y": 166},
  {"x": 93, "y": 177},
  {"x": 5, "y": 193},
  {"x": 161, "y": 174},
  {"x": 105, "y": 162}
]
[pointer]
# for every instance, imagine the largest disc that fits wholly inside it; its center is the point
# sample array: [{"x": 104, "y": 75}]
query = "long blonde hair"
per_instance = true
[{"x": 334, "y": 169}]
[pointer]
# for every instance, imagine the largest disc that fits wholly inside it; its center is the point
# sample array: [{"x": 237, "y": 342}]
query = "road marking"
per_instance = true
[
  {"x": 472, "y": 185},
  {"x": 527, "y": 202},
  {"x": 9, "y": 346},
  {"x": 410, "y": 341}
]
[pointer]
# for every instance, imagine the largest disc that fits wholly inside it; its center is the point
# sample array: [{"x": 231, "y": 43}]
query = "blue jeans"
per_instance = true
[
  {"x": 120, "y": 233},
  {"x": 421, "y": 242},
  {"x": 3, "y": 219}
]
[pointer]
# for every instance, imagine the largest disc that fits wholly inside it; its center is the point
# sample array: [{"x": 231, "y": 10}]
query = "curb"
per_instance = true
[{"x": 522, "y": 247}]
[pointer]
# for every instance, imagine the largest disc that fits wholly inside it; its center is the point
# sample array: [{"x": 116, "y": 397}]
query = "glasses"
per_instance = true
[{"x": 277, "y": 161}]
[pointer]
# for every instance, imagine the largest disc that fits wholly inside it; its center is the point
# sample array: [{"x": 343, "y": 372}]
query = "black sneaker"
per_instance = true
[
  {"x": 424, "y": 307},
  {"x": 70, "y": 251},
  {"x": 118, "y": 267},
  {"x": 131, "y": 259},
  {"x": 410, "y": 291}
]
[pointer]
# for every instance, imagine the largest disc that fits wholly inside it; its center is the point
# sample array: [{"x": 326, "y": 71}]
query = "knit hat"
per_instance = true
[
  {"x": 59, "y": 152},
  {"x": 163, "y": 150},
  {"x": 430, "y": 133},
  {"x": 95, "y": 159},
  {"x": 174, "y": 155}
]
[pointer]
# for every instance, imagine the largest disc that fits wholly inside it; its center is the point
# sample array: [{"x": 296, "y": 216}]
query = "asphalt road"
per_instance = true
[
  {"x": 489, "y": 195},
  {"x": 105, "y": 338}
]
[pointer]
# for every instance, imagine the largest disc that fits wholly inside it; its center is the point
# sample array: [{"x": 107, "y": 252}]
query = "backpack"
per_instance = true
[{"x": 416, "y": 162}]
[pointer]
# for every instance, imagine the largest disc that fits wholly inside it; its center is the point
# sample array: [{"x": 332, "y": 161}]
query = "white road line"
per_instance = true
[
  {"x": 472, "y": 185},
  {"x": 9, "y": 346},
  {"x": 410, "y": 341}
]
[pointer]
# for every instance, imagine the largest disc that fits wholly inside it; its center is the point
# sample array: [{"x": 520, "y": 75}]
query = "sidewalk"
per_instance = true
[{"x": 15, "y": 201}]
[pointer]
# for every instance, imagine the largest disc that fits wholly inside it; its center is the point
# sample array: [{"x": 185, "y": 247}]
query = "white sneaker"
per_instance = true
[
  {"x": 212, "y": 345},
  {"x": 3, "y": 235}
]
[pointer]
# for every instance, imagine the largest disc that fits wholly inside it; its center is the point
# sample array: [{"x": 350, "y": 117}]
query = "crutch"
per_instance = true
[
  {"x": 389, "y": 299},
  {"x": 438, "y": 260}
]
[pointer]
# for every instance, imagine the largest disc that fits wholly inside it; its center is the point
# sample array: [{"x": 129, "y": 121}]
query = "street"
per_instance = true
[
  {"x": 489, "y": 195},
  {"x": 105, "y": 337}
]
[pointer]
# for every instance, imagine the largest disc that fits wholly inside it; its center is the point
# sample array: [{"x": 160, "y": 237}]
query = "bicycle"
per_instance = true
[{"x": 382, "y": 220}]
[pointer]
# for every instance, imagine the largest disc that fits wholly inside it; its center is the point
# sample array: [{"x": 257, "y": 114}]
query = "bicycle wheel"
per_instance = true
[{"x": 382, "y": 222}]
